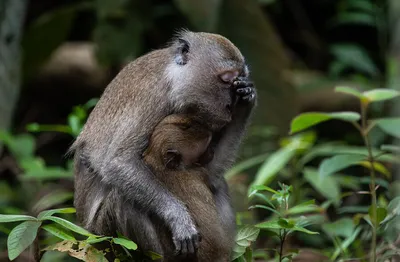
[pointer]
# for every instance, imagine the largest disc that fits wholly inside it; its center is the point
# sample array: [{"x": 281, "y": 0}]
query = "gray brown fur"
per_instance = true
[
  {"x": 114, "y": 188},
  {"x": 177, "y": 136}
]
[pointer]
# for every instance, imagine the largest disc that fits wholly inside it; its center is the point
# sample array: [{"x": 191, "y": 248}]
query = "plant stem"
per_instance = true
[
  {"x": 282, "y": 237},
  {"x": 373, "y": 213}
]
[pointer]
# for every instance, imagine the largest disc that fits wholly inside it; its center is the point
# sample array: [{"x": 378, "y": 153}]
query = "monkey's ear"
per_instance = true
[
  {"x": 182, "y": 50},
  {"x": 172, "y": 159}
]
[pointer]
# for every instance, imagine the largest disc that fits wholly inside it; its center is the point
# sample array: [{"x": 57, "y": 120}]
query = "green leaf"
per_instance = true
[
  {"x": 337, "y": 163},
  {"x": 349, "y": 91},
  {"x": 307, "y": 120},
  {"x": 15, "y": 218},
  {"x": 389, "y": 125},
  {"x": 21, "y": 237},
  {"x": 74, "y": 124},
  {"x": 326, "y": 186},
  {"x": 346, "y": 243},
  {"x": 69, "y": 225},
  {"x": 391, "y": 148},
  {"x": 381, "y": 214},
  {"x": 246, "y": 164},
  {"x": 393, "y": 209},
  {"x": 302, "y": 229},
  {"x": 265, "y": 207},
  {"x": 378, "y": 167},
  {"x": 270, "y": 168},
  {"x": 48, "y": 213},
  {"x": 355, "y": 57},
  {"x": 92, "y": 240},
  {"x": 380, "y": 94},
  {"x": 273, "y": 224},
  {"x": 22, "y": 146},
  {"x": 255, "y": 188},
  {"x": 356, "y": 18},
  {"x": 343, "y": 227},
  {"x": 244, "y": 237},
  {"x": 59, "y": 232},
  {"x": 285, "y": 223},
  {"x": 129, "y": 244}
]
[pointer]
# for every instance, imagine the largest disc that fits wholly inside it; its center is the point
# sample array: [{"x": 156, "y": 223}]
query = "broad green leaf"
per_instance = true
[
  {"x": 21, "y": 237},
  {"x": 69, "y": 225},
  {"x": 306, "y": 207},
  {"x": 273, "y": 224},
  {"x": 48, "y": 213},
  {"x": 389, "y": 125},
  {"x": 381, "y": 214},
  {"x": 35, "y": 127},
  {"x": 306, "y": 120},
  {"x": 244, "y": 237},
  {"x": 286, "y": 223},
  {"x": 337, "y": 163},
  {"x": 75, "y": 124},
  {"x": 275, "y": 163},
  {"x": 393, "y": 209},
  {"x": 59, "y": 232},
  {"x": 15, "y": 218},
  {"x": 380, "y": 94},
  {"x": 326, "y": 186},
  {"x": 129, "y": 244},
  {"x": 349, "y": 91},
  {"x": 378, "y": 167},
  {"x": 343, "y": 227}
]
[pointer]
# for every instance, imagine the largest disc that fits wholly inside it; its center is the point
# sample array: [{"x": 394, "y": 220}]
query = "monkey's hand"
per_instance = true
[
  {"x": 186, "y": 238},
  {"x": 245, "y": 91}
]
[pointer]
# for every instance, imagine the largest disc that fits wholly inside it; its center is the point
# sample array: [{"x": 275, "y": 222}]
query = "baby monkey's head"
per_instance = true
[{"x": 179, "y": 141}]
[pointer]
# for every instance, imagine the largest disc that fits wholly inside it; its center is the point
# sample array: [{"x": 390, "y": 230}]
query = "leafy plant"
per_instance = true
[{"x": 24, "y": 234}]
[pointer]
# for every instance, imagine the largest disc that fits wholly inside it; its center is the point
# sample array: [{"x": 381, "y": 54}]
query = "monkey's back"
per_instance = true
[{"x": 201, "y": 205}]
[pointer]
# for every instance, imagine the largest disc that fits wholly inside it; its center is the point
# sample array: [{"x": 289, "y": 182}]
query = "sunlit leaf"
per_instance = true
[
  {"x": 380, "y": 94},
  {"x": 349, "y": 91},
  {"x": 59, "y": 232},
  {"x": 255, "y": 188},
  {"x": 15, "y": 218},
  {"x": 47, "y": 213},
  {"x": 21, "y": 237},
  {"x": 129, "y": 244},
  {"x": 337, "y": 163},
  {"x": 378, "y": 167},
  {"x": 389, "y": 125},
  {"x": 306, "y": 120}
]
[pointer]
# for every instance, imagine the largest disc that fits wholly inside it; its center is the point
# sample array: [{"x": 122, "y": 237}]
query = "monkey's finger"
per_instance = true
[
  {"x": 249, "y": 98},
  {"x": 178, "y": 247},
  {"x": 190, "y": 246},
  {"x": 244, "y": 91},
  {"x": 184, "y": 250},
  {"x": 240, "y": 83}
]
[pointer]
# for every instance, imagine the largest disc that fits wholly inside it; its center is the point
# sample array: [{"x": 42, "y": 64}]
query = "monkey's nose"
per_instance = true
[{"x": 229, "y": 76}]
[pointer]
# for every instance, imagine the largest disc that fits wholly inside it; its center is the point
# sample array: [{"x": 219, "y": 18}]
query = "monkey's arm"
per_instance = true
[
  {"x": 227, "y": 141},
  {"x": 145, "y": 191}
]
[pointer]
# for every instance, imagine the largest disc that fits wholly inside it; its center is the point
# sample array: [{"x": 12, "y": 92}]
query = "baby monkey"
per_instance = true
[{"x": 178, "y": 150}]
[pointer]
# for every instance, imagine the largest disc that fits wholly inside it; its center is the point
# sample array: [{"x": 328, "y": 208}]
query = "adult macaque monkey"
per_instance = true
[{"x": 201, "y": 74}]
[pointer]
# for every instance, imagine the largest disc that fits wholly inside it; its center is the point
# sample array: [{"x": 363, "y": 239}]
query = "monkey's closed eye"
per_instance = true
[{"x": 229, "y": 76}]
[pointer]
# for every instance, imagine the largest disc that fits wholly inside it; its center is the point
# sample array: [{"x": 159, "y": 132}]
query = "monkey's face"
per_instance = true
[{"x": 203, "y": 69}]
